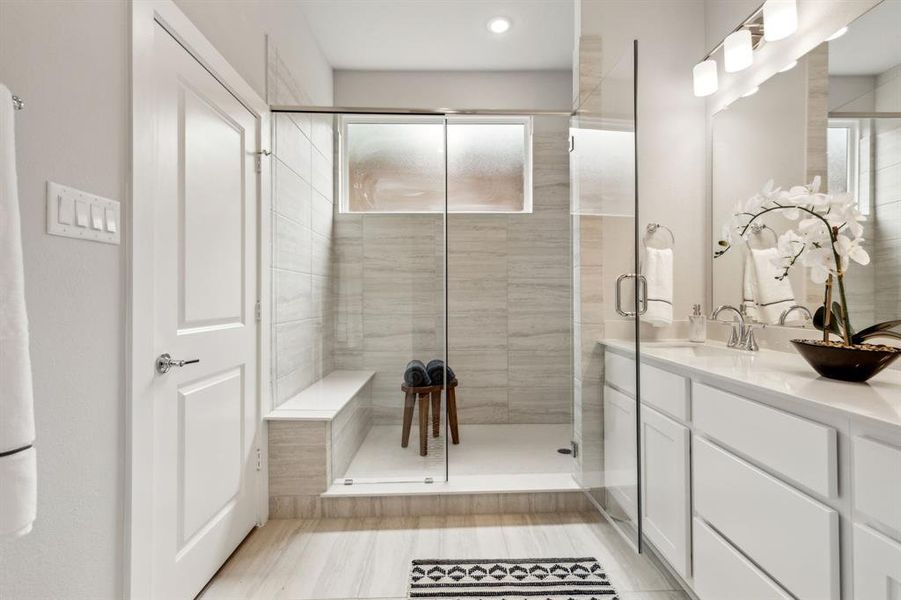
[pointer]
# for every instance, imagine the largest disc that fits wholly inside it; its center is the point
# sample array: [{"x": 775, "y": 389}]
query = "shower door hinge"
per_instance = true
[
  {"x": 429, "y": 480},
  {"x": 572, "y": 143},
  {"x": 575, "y": 447},
  {"x": 259, "y": 460},
  {"x": 348, "y": 481},
  {"x": 258, "y": 310}
]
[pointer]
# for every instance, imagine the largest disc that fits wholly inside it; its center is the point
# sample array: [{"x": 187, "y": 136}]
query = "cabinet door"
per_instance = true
[
  {"x": 620, "y": 452},
  {"x": 665, "y": 487},
  {"x": 877, "y": 565}
]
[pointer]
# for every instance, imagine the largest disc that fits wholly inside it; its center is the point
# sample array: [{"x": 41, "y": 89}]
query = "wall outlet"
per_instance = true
[{"x": 80, "y": 215}]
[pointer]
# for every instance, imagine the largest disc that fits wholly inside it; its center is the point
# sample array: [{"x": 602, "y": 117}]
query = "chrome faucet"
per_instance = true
[
  {"x": 791, "y": 309},
  {"x": 742, "y": 333}
]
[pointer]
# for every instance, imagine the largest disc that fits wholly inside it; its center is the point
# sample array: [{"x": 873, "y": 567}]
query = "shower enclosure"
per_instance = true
[{"x": 488, "y": 240}]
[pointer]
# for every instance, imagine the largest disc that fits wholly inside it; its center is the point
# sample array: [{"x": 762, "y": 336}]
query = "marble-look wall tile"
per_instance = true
[
  {"x": 298, "y": 460},
  {"x": 508, "y": 290},
  {"x": 292, "y": 194},
  {"x": 292, "y": 147},
  {"x": 348, "y": 430}
]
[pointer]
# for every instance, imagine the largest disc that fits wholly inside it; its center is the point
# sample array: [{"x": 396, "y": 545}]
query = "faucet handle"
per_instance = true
[
  {"x": 734, "y": 339},
  {"x": 749, "y": 342}
]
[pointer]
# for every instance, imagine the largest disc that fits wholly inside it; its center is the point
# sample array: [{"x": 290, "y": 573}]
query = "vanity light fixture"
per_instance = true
[
  {"x": 780, "y": 19},
  {"x": 789, "y": 66},
  {"x": 705, "y": 78},
  {"x": 837, "y": 34},
  {"x": 738, "y": 51},
  {"x": 499, "y": 25}
]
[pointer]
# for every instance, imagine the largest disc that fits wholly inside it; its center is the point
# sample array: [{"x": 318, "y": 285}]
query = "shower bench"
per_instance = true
[{"x": 314, "y": 435}]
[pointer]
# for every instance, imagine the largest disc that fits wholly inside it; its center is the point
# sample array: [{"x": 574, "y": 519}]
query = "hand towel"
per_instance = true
[
  {"x": 17, "y": 463},
  {"x": 416, "y": 375},
  {"x": 749, "y": 288},
  {"x": 773, "y": 295},
  {"x": 436, "y": 372},
  {"x": 658, "y": 270},
  {"x": 18, "y": 493}
]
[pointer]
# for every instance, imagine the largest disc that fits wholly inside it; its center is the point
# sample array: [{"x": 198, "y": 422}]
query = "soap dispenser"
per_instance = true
[{"x": 697, "y": 325}]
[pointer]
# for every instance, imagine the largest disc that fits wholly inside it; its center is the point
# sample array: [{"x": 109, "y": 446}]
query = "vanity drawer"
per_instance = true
[
  {"x": 801, "y": 450},
  {"x": 619, "y": 371},
  {"x": 877, "y": 565},
  {"x": 877, "y": 481},
  {"x": 791, "y": 536},
  {"x": 722, "y": 573},
  {"x": 665, "y": 391}
]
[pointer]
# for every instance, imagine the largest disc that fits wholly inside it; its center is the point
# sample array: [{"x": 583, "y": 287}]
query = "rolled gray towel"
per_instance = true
[
  {"x": 416, "y": 375},
  {"x": 435, "y": 369}
]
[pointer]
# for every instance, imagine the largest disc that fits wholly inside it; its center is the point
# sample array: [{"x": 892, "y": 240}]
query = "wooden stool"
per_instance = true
[{"x": 426, "y": 393}]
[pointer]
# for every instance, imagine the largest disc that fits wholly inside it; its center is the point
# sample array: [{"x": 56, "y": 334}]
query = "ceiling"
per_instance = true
[
  {"x": 872, "y": 44},
  {"x": 442, "y": 35}
]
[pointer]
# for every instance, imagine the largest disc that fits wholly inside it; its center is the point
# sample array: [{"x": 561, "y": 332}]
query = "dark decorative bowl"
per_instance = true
[{"x": 846, "y": 363}]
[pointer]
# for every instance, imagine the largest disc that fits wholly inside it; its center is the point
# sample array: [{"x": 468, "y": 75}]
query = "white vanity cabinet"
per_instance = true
[
  {"x": 666, "y": 492},
  {"x": 749, "y": 494}
]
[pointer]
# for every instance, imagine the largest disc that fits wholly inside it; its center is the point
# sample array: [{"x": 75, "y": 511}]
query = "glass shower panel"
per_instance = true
[
  {"x": 604, "y": 206},
  {"x": 388, "y": 286},
  {"x": 509, "y": 301}
]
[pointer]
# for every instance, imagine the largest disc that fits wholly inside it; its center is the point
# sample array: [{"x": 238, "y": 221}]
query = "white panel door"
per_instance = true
[{"x": 205, "y": 414}]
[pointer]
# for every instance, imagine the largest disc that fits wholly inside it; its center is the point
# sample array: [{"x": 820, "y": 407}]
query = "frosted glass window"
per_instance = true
[
  {"x": 396, "y": 165},
  {"x": 486, "y": 167},
  {"x": 837, "y": 143}
]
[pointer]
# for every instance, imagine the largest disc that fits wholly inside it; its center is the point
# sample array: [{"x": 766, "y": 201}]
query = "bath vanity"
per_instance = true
[{"x": 759, "y": 479}]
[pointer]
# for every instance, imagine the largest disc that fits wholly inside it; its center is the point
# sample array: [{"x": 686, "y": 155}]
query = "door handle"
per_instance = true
[
  {"x": 642, "y": 294},
  {"x": 642, "y": 299},
  {"x": 165, "y": 362}
]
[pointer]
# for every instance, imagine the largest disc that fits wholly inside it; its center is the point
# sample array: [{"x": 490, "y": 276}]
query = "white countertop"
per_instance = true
[
  {"x": 324, "y": 399},
  {"x": 775, "y": 375}
]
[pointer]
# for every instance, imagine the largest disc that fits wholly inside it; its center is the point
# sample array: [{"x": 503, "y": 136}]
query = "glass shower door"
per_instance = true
[{"x": 606, "y": 288}]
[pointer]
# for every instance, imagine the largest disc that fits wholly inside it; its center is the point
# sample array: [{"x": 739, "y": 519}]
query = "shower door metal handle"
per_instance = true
[{"x": 642, "y": 295}]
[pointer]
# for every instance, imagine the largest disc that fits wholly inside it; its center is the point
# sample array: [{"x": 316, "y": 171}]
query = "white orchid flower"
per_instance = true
[{"x": 851, "y": 249}]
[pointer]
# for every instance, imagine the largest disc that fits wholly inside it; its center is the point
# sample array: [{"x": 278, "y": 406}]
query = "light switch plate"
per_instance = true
[{"x": 81, "y": 215}]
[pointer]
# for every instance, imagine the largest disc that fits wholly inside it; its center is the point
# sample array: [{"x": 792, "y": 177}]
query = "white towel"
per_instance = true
[
  {"x": 658, "y": 270},
  {"x": 772, "y": 295},
  {"x": 18, "y": 493},
  {"x": 17, "y": 466}
]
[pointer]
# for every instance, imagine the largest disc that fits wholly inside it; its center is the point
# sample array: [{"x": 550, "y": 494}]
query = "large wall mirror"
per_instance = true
[{"x": 836, "y": 114}]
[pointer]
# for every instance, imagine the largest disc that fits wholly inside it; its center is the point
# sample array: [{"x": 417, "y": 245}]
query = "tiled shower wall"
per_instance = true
[
  {"x": 302, "y": 196},
  {"x": 887, "y": 205},
  {"x": 509, "y": 299}
]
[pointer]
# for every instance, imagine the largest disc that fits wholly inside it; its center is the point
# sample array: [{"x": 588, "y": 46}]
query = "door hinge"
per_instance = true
[
  {"x": 572, "y": 143},
  {"x": 575, "y": 448},
  {"x": 258, "y": 310},
  {"x": 259, "y": 460}
]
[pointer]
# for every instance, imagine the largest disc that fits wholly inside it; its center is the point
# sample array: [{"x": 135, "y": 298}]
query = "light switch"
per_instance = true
[
  {"x": 66, "y": 210},
  {"x": 112, "y": 220},
  {"x": 97, "y": 217},
  {"x": 81, "y": 213}
]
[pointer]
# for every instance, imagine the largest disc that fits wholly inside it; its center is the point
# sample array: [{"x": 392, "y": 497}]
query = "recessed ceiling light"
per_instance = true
[
  {"x": 789, "y": 66},
  {"x": 837, "y": 34},
  {"x": 499, "y": 25}
]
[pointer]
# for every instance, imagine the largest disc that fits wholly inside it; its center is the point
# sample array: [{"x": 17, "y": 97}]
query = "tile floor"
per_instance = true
[{"x": 370, "y": 558}]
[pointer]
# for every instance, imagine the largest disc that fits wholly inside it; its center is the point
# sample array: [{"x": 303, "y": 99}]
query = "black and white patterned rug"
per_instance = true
[{"x": 511, "y": 579}]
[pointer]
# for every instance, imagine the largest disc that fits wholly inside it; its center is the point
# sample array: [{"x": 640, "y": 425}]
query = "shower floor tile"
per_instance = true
[{"x": 484, "y": 452}]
